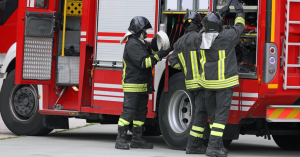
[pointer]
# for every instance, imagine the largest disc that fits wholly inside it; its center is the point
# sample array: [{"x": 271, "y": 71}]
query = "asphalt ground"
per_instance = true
[
  {"x": 5, "y": 133},
  {"x": 99, "y": 141}
]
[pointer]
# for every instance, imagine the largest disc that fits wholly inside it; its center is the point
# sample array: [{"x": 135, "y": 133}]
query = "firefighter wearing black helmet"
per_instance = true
[
  {"x": 137, "y": 82},
  {"x": 219, "y": 76},
  {"x": 186, "y": 57}
]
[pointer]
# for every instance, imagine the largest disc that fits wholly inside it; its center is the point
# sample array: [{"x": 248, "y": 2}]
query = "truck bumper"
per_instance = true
[{"x": 283, "y": 113}]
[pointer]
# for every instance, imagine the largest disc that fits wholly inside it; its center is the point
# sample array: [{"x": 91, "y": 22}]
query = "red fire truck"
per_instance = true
[{"x": 62, "y": 59}]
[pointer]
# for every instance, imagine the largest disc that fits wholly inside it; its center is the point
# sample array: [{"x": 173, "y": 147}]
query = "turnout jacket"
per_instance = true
[
  {"x": 219, "y": 63},
  {"x": 137, "y": 67},
  {"x": 186, "y": 57}
]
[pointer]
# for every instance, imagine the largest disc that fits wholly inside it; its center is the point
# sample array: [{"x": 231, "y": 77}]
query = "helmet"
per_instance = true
[
  {"x": 213, "y": 22},
  {"x": 192, "y": 16},
  {"x": 139, "y": 23}
]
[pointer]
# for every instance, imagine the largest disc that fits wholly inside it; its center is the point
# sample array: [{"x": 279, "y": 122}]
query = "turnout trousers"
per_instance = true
[
  {"x": 200, "y": 114},
  {"x": 134, "y": 109},
  {"x": 218, "y": 104}
]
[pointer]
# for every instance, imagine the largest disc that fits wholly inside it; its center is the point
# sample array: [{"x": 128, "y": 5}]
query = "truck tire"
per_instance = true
[
  {"x": 287, "y": 142},
  {"x": 175, "y": 113},
  {"x": 19, "y": 108}
]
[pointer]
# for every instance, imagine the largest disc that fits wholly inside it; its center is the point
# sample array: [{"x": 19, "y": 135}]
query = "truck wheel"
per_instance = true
[
  {"x": 175, "y": 113},
  {"x": 287, "y": 142},
  {"x": 19, "y": 108}
]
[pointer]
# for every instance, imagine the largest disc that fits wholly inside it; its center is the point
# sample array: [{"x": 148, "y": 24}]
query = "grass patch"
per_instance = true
[
  {"x": 11, "y": 137},
  {"x": 90, "y": 124}
]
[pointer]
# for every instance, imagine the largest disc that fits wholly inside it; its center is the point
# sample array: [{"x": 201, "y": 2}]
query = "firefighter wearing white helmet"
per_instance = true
[
  {"x": 185, "y": 57},
  {"x": 219, "y": 77},
  {"x": 138, "y": 59}
]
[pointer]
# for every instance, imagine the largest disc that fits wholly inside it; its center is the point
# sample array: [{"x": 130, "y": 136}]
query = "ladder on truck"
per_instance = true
[{"x": 286, "y": 42}]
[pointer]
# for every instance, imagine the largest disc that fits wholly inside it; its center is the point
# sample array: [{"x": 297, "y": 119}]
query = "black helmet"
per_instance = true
[
  {"x": 139, "y": 23},
  {"x": 192, "y": 16},
  {"x": 213, "y": 22}
]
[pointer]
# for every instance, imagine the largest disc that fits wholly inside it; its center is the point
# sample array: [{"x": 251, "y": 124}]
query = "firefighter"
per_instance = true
[
  {"x": 219, "y": 77},
  {"x": 186, "y": 56},
  {"x": 138, "y": 59}
]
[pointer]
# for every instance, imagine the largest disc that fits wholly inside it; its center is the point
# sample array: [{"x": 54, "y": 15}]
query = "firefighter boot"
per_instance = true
[
  {"x": 195, "y": 145},
  {"x": 121, "y": 142},
  {"x": 137, "y": 139},
  {"x": 221, "y": 145},
  {"x": 213, "y": 152}
]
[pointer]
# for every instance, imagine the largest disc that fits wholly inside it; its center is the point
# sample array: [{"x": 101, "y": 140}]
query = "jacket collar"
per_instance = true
[{"x": 192, "y": 28}]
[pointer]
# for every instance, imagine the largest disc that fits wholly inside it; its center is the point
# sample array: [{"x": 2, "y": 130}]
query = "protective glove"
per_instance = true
[
  {"x": 163, "y": 53},
  {"x": 238, "y": 8},
  {"x": 224, "y": 11},
  {"x": 154, "y": 43}
]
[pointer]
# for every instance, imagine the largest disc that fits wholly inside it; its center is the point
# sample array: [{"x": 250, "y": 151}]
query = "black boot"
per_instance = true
[
  {"x": 137, "y": 139},
  {"x": 216, "y": 152},
  {"x": 221, "y": 145},
  {"x": 121, "y": 142},
  {"x": 195, "y": 145}
]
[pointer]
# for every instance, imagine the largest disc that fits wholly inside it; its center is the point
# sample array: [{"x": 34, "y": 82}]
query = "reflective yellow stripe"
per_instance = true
[
  {"x": 220, "y": 86},
  {"x": 210, "y": 125},
  {"x": 129, "y": 87},
  {"x": 177, "y": 66},
  {"x": 154, "y": 52},
  {"x": 202, "y": 61},
  {"x": 124, "y": 70},
  {"x": 220, "y": 126},
  {"x": 194, "y": 64},
  {"x": 181, "y": 58},
  {"x": 196, "y": 134},
  {"x": 123, "y": 122},
  {"x": 218, "y": 82},
  {"x": 138, "y": 123},
  {"x": 239, "y": 20},
  {"x": 221, "y": 65},
  {"x": 134, "y": 90},
  {"x": 148, "y": 62},
  {"x": 197, "y": 128},
  {"x": 157, "y": 57},
  {"x": 134, "y": 85},
  {"x": 216, "y": 133},
  {"x": 192, "y": 84}
]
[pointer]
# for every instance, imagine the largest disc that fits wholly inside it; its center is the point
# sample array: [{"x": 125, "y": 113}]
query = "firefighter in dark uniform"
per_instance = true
[
  {"x": 137, "y": 82},
  {"x": 186, "y": 57},
  {"x": 220, "y": 76}
]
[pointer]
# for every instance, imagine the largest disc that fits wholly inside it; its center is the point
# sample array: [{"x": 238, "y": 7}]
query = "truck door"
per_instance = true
[
  {"x": 35, "y": 42},
  {"x": 113, "y": 20}
]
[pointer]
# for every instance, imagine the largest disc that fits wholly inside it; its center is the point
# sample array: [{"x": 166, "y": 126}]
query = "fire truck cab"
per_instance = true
[{"x": 62, "y": 58}]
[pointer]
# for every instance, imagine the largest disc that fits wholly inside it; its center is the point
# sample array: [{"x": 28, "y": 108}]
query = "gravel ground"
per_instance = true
[{"x": 5, "y": 133}]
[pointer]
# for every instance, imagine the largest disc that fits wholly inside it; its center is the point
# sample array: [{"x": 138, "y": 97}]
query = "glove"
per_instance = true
[
  {"x": 163, "y": 53},
  {"x": 154, "y": 43},
  {"x": 224, "y": 11},
  {"x": 238, "y": 8}
]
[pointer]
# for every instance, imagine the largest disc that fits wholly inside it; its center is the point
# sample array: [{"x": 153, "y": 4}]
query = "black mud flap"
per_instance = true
[{"x": 56, "y": 122}]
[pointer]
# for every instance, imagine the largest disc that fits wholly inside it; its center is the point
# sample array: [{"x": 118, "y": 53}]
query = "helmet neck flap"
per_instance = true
[{"x": 213, "y": 23}]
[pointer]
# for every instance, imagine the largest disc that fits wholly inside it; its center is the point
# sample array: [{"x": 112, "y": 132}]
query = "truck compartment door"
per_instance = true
[
  {"x": 113, "y": 22},
  {"x": 35, "y": 44}
]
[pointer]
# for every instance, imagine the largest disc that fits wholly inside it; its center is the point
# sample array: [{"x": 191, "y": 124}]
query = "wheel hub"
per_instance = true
[
  {"x": 179, "y": 111},
  {"x": 24, "y": 102}
]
